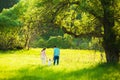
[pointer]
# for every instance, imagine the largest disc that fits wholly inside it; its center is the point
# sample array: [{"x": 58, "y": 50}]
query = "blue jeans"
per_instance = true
[{"x": 56, "y": 59}]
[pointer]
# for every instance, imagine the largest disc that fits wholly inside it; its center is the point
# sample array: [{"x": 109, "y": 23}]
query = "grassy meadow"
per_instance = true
[{"x": 74, "y": 65}]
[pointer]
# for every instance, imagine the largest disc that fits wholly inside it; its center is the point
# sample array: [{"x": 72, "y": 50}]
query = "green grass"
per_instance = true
[{"x": 74, "y": 65}]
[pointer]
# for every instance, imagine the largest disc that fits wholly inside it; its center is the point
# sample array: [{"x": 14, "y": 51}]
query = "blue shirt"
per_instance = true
[{"x": 56, "y": 51}]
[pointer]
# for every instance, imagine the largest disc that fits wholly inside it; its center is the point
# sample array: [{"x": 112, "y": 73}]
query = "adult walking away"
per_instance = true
[
  {"x": 56, "y": 55},
  {"x": 43, "y": 56}
]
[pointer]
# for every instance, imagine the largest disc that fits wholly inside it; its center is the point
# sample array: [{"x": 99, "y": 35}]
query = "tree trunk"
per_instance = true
[
  {"x": 27, "y": 41},
  {"x": 109, "y": 43},
  {"x": 27, "y": 38}
]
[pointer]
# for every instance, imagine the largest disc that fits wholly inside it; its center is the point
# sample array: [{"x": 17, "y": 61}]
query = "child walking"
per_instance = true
[{"x": 49, "y": 62}]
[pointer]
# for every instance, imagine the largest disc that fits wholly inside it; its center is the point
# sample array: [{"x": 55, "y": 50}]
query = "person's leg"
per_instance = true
[
  {"x": 57, "y": 60},
  {"x": 43, "y": 61},
  {"x": 54, "y": 60}
]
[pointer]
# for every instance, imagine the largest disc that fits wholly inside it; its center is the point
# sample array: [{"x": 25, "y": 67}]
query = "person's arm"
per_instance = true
[
  {"x": 45, "y": 54},
  {"x": 53, "y": 53}
]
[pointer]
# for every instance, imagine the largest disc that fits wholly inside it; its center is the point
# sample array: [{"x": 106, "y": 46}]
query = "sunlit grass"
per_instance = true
[{"x": 74, "y": 65}]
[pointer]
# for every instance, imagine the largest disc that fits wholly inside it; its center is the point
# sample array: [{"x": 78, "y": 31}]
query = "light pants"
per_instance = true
[
  {"x": 43, "y": 60},
  {"x": 49, "y": 63}
]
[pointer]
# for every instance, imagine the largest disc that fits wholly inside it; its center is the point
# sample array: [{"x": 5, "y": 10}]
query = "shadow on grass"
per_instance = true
[
  {"x": 9, "y": 51},
  {"x": 37, "y": 73},
  {"x": 99, "y": 72}
]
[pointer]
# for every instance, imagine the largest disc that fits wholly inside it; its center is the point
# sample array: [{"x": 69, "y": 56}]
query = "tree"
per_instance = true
[
  {"x": 10, "y": 27},
  {"x": 88, "y": 18},
  {"x": 7, "y": 4},
  {"x": 109, "y": 44}
]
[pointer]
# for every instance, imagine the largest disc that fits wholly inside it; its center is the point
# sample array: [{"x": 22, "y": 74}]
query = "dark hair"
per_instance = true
[
  {"x": 54, "y": 46},
  {"x": 43, "y": 49}
]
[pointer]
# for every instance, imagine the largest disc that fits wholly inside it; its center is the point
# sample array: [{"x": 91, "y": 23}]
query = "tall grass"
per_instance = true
[{"x": 74, "y": 65}]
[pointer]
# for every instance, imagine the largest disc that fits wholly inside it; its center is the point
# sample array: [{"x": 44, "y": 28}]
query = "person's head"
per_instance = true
[
  {"x": 43, "y": 49},
  {"x": 55, "y": 46}
]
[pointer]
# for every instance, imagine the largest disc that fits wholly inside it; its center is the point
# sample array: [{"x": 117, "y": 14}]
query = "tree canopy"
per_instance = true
[
  {"x": 88, "y": 17},
  {"x": 79, "y": 18}
]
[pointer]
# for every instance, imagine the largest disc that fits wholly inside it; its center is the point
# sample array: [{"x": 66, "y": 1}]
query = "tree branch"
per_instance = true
[{"x": 95, "y": 34}]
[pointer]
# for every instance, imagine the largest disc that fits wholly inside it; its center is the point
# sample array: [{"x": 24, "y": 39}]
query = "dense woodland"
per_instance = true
[{"x": 81, "y": 24}]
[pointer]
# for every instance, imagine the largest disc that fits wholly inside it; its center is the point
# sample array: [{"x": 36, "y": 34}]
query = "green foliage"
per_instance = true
[
  {"x": 65, "y": 41},
  {"x": 98, "y": 17},
  {"x": 117, "y": 32},
  {"x": 59, "y": 42},
  {"x": 40, "y": 18},
  {"x": 10, "y": 27},
  {"x": 68, "y": 41},
  {"x": 51, "y": 32},
  {"x": 9, "y": 39},
  {"x": 7, "y": 3},
  {"x": 96, "y": 44},
  {"x": 84, "y": 43},
  {"x": 39, "y": 43},
  {"x": 7, "y": 22}
]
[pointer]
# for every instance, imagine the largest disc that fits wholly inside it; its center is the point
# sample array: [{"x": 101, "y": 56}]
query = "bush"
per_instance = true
[
  {"x": 59, "y": 41},
  {"x": 9, "y": 39}
]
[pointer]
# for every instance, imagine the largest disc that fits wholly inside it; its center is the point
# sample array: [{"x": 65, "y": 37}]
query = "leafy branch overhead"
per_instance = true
[
  {"x": 97, "y": 18},
  {"x": 80, "y": 18},
  {"x": 74, "y": 14}
]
